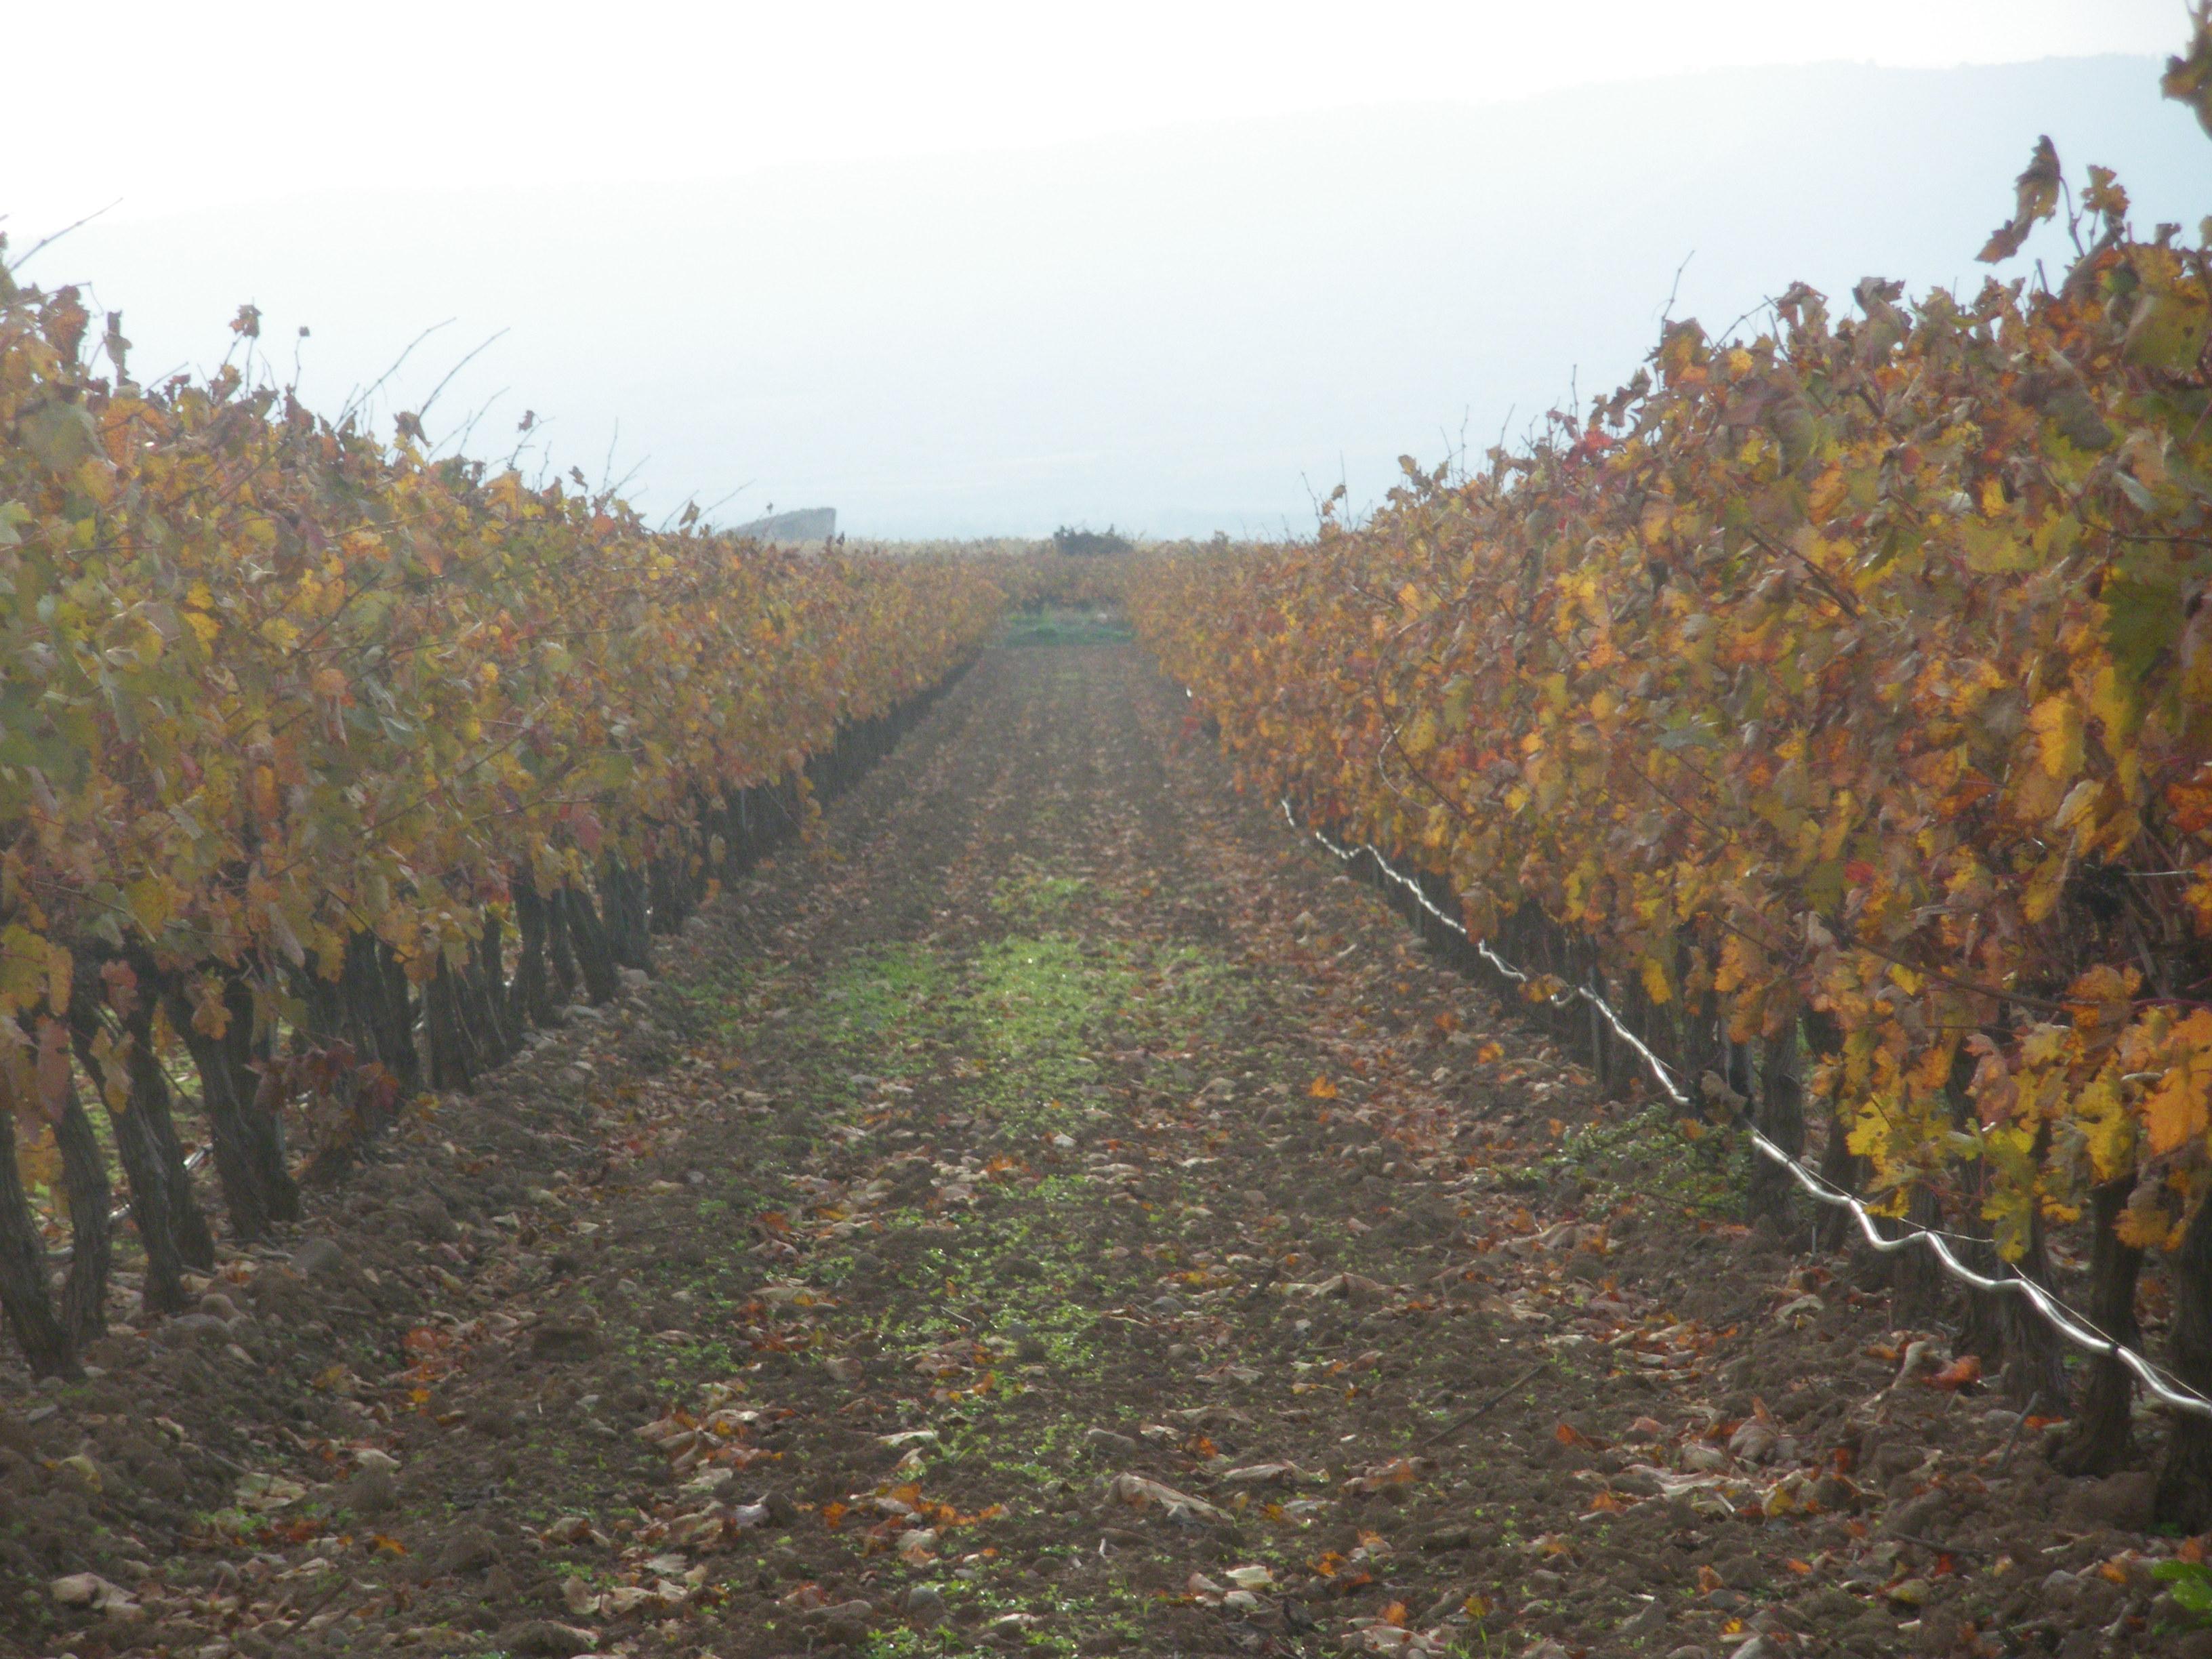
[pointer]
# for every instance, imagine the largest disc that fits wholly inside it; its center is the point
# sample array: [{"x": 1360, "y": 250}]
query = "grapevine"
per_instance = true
[
  {"x": 326, "y": 767},
  {"x": 1851, "y": 686}
]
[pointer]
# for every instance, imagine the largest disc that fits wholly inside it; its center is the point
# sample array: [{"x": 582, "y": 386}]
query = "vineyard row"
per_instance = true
[
  {"x": 328, "y": 769},
  {"x": 1839, "y": 704}
]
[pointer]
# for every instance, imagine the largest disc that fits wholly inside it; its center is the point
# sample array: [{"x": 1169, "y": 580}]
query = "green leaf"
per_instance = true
[
  {"x": 1459, "y": 700},
  {"x": 2142, "y": 619},
  {"x": 2190, "y": 1583},
  {"x": 62, "y": 436},
  {"x": 1692, "y": 735},
  {"x": 2168, "y": 331}
]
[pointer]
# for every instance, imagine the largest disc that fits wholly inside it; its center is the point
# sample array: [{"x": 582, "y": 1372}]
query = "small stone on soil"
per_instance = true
[
  {"x": 318, "y": 1256},
  {"x": 542, "y": 1636}
]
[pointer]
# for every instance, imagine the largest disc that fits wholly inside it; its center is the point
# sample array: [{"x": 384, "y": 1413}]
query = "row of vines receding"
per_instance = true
[
  {"x": 329, "y": 769},
  {"x": 1841, "y": 699}
]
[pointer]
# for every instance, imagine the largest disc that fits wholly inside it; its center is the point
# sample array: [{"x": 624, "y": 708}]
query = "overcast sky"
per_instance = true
[
  {"x": 204, "y": 123},
  {"x": 162, "y": 105}
]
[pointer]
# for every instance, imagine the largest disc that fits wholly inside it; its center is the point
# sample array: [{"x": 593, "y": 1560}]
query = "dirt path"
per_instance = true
[{"x": 1059, "y": 1214}]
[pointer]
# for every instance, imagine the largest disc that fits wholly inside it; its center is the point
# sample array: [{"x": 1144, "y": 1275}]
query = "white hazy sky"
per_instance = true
[
  {"x": 962, "y": 267},
  {"x": 166, "y": 105}
]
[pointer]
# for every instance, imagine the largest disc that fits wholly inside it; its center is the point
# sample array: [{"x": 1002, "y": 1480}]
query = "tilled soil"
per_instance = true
[{"x": 1058, "y": 1212}]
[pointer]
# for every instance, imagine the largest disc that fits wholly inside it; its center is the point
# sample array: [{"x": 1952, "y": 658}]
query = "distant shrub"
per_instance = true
[{"x": 1090, "y": 543}]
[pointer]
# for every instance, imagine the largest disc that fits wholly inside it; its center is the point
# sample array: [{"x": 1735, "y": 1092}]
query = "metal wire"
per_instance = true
[
  {"x": 191, "y": 1163},
  {"x": 2072, "y": 1326}
]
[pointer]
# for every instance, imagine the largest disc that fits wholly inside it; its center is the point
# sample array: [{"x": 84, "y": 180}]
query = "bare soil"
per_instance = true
[{"x": 1056, "y": 1212}]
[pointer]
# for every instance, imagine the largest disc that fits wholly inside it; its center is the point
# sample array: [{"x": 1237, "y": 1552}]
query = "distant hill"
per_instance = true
[
  {"x": 805, "y": 524},
  {"x": 1195, "y": 328}
]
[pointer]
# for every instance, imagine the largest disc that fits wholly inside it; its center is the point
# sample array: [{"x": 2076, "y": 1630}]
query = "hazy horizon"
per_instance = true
[{"x": 1196, "y": 327}]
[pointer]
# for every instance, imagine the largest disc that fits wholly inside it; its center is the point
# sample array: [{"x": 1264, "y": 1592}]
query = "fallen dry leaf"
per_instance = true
[{"x": 1141, "y": 1492}]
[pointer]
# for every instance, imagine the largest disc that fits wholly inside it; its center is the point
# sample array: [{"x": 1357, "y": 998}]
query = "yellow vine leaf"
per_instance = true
[
  {"x": 2175, "y": 1110},
  {"x": 2106, "y": 1127},
  {"x": 2056, "y": 722}
]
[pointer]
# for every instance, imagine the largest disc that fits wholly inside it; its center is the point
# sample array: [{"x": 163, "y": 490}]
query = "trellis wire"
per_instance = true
[{"x": 2060, "y": 1318}]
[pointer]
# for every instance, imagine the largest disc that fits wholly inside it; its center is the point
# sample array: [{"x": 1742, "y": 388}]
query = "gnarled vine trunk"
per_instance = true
[
  {"x": 258, "y": 1188},
  {"x": 26, "y": 1300},
  {"x": 2184, "y": 1480},
  {"x": 84, "y": 1176}
]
